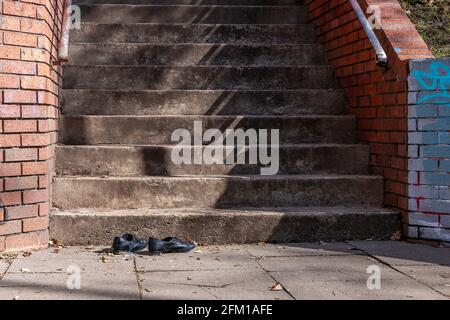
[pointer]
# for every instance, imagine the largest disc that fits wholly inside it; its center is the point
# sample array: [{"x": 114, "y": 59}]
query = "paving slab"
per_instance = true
[
  {"x": 170, "y": 291},
  {"x": 436, "y": 277},
  {"x": 398, "y": 253},
  {"x": 328, "y": 268},
  {"x": 397, "y": 288},
  {"x": 238, "y": 283},
  {"x": 44, "y": 275},
  {"x": 202, "y": 258},
  {"x": 117, "y": 285},
  {"x": 51, "y": 261},
  {"x": 301, "y": 249}
]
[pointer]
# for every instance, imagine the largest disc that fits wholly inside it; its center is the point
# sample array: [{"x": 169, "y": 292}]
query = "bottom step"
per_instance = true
[{"x": 213, "y": 226}]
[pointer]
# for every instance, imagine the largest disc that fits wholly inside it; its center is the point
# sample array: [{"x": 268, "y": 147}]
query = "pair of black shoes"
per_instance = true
[{"x": 131, "y": 243}]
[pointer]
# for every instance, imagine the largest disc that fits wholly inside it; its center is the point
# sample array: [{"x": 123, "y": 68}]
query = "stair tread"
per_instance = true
[
  {"x": 184, "y": 24},
  {"x": 230, "y": 177},
  {"x": 188, "y": 5},
  {"x": 147, "y": 66},
  {"x": 366, "y": 210},
  {"x": 290, "y": 3},
  {"x": 284, "y": 145},
  {"x": 306, "y": 116},
  {"x": 299, "y": 90},
  {"x": 215, "y": 226}
]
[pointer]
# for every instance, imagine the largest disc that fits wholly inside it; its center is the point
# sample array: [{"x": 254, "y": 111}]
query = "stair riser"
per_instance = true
[
  {"x": 158, "y": 130},
  {"x": 152, "y": 192},
  {"x": 86, "y": 102},
  {"x": 192, "y": 14},
  {"x": 179, "y": 33},
  {"x": 226, "y": 229},
  {"x": 190, "y": 55},
  {"x": 196, "y": 2},
  {"x": 157, "y": 161},
  {"x": 197, "y": 78}
]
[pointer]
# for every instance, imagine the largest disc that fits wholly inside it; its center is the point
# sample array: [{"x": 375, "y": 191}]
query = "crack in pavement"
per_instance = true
[
  {"x": 9, "y": 262},
  {"x": 196, "y": 285},
  {"x": 139, "y": 287}
]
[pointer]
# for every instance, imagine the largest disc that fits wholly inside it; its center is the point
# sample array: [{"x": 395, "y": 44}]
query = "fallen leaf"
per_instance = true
[
  {"x": 277, "y": 287},
  {"x": 198, "y": 251},
  {"x": 26, "y": 254},
  {"x": 396, "y": 236}
]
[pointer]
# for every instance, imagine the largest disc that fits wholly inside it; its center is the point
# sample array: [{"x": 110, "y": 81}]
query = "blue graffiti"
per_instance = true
[{"x": 436, "y": 80}]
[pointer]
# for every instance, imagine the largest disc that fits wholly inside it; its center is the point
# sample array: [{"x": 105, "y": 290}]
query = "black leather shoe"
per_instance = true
[
  {"x": 128, "y": 242},
  {"x": 168, "y": 245}
]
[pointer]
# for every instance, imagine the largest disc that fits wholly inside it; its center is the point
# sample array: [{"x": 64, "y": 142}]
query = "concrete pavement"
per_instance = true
[{"x": 303, "y": 271}]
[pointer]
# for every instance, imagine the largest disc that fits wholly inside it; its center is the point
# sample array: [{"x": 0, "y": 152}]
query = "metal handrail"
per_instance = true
[
  {"x": 63, "y": 49},
  {"x": 381, "y": 56}
]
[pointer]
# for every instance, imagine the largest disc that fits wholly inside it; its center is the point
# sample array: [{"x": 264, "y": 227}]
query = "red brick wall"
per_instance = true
[
  {"x": 29, "y": 86},
  {"x": 377, "y": 97}
]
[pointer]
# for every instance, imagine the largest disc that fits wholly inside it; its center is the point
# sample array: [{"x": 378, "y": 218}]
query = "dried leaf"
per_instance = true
[
  {"x": 26, "y": 254},
  {"x": 396, "y": 236},
  {"x": 277, "y": 287}
]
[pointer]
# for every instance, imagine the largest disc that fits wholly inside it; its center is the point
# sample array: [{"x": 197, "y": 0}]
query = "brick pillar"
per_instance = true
[
  {"x": 29, "y": 84},
  {"x": 377, "y": 97},
  {"x": 429, "y": 150}
]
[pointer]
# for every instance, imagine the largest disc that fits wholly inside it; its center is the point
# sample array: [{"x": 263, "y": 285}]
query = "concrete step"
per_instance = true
[
  {"x": 125, "y": 13},
  {"x": 213, "y": 226},
  {"x": 203, "y": 102},
  {"x": 195, "y": 2},
  {"x": 193, "y": 33},
  {"x": 217, "y": 191},
  {"x": 195, "y": 54},
  {"x": 197, "y": 78},
  {"x": 82, "y": 130},
  {"x": 156, "y": 161}
]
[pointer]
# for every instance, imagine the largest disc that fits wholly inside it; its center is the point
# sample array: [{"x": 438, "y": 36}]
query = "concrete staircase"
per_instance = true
[{"x": 140, "y": 69}]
